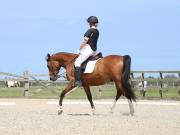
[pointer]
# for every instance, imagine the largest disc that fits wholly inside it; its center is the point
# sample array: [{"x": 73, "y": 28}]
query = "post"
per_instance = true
[
  {"x": 179, "y": 84},
  {"x": 132, "y": 75},
  {"x": 161, "y": 84},
  {"x": 131, "y": 79},
  {"x": 179, "y": 92},
  {"x": 99, "y": 91},
  {"x": 143, "y": 86},
  {"x": 26, "y": 83}
]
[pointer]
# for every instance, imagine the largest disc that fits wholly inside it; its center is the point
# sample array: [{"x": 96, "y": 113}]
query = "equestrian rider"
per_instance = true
[{"x": 88, "y": 47}]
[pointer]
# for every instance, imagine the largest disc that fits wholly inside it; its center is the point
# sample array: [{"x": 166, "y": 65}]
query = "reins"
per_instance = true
[{"x": 64, "y": 65}]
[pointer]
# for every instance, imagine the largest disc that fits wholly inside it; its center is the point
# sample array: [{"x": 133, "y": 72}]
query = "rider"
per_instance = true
[{"x": 88, "y": 47}]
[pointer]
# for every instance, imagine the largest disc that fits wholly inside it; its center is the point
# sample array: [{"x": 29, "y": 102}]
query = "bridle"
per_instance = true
[{"x": 54, "y": 72}]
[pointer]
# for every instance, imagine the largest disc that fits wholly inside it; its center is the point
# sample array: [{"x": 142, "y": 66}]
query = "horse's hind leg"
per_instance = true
[
  {"x": 89, "y": 96},
  {"x": 120, "y": 91},
  {"x": 118, "y": 94},
  {"x": 131, "y": 108}
]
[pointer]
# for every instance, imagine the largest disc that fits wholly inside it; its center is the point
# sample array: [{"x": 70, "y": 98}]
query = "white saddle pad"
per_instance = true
[{"x": 90, "y": 66}]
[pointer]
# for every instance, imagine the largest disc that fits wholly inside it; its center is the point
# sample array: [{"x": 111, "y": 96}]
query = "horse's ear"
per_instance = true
[{"x": 48, "y": 56}]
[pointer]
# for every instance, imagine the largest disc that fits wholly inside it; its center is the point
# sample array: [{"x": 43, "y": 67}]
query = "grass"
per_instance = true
[
  {"x": 11, "y": 92},
  {"x": 108, "y": 91}
]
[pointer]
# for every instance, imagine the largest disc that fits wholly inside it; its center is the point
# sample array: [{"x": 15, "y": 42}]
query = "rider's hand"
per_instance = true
[{"x": 84, "y": 42}]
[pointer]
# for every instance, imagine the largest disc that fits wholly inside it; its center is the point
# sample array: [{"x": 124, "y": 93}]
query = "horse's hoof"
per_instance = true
[
  {"x": 132, "y": 113},
  {"x": 93, "y": 112},
  {"x": 60, "y": 112},
  {"x": 111, "y": 110}
]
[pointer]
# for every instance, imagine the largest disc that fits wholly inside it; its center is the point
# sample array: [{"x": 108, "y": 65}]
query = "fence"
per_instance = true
[
  {"x": 159, "y": 78},
  {"x": 26, "y": 79}
]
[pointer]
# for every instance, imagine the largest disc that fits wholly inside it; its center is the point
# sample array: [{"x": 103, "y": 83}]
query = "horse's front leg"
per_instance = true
[
  {"x": 63, "y": 93},
  {"x": 89, "y": 96}
]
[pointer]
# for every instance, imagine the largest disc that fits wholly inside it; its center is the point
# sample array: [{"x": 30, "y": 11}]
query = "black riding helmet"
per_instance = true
[{"x": 92, "y": 20}]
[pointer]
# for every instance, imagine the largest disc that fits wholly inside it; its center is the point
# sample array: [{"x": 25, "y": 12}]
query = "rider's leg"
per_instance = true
[
  {"x": 84, "y": 55},
  {"x": 78, "y": 76}
]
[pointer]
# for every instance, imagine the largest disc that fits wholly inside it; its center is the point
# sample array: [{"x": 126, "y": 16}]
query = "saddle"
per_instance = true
[{"x": 91, "y": 58}]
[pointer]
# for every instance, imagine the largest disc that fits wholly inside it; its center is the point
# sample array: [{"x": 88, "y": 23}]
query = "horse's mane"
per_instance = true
[
  {"x": 64, "y": 53},
  {"x": 64, "y": 56}
]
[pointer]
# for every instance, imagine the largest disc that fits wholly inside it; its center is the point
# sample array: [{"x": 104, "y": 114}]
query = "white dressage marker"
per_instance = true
[{"x": 7, "y": 103}]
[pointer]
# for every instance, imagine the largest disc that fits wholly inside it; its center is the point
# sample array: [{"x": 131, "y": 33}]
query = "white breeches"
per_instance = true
[{"x": 84, "y": 54}]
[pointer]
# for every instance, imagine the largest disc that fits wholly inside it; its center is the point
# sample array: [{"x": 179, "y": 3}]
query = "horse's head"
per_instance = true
[
  {"x": 53, "y": 66},
  {"x": 58, "y": 60}
]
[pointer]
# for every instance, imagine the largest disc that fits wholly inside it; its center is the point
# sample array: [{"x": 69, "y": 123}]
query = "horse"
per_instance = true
[
  {"x": 110, "y": 68},
  {"x": 12, "y": 83}
]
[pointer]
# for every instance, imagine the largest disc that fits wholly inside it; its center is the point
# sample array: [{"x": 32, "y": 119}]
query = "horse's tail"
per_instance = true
[{"x": 129, "y": 93}]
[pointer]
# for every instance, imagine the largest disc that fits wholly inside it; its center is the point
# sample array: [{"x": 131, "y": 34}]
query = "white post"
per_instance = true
[{"x": 26, "y": 83}]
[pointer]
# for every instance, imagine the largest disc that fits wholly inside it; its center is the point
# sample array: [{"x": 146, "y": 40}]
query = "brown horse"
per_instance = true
[{"x": 110, "y": 68}]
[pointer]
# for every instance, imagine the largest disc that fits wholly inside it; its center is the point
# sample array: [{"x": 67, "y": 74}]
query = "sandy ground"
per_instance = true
[{"x": 36, "y": 117}]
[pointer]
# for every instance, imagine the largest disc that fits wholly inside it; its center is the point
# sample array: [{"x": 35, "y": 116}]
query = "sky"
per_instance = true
[{"x": 147, "y": 30}]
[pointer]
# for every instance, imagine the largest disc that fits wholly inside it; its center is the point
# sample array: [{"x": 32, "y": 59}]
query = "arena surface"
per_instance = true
[{"x": 39, "y": 117}]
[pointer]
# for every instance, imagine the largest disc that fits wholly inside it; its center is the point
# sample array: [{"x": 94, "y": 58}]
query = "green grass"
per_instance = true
[
  {"x": 11, "y": 92},
  {"x": 54, "y": 92},
  {"x": 108, "y": 91}
]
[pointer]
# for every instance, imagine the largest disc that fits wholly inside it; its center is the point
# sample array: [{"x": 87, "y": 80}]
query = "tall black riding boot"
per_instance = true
[{"x": 78, "y": 76}]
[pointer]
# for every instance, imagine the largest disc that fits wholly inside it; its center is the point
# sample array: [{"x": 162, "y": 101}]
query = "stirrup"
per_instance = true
[{"x": 77, "y": 83}]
